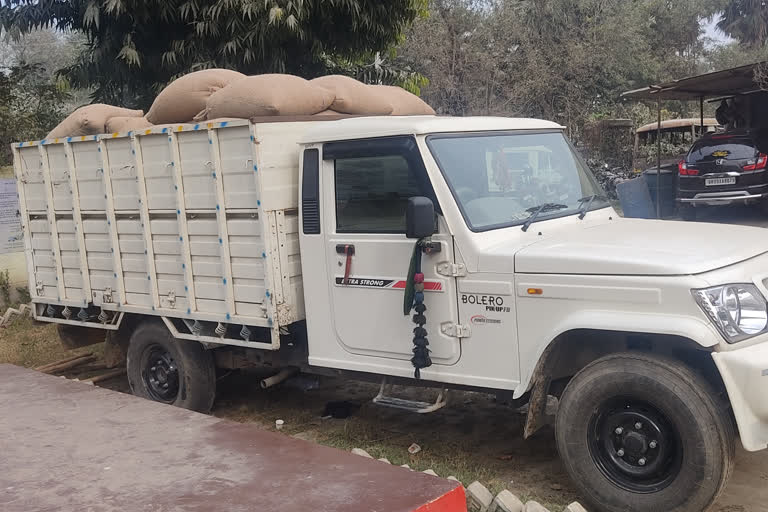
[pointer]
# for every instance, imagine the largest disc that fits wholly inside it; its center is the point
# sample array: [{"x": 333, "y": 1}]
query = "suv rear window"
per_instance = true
[{"x": 720, "y": 146}]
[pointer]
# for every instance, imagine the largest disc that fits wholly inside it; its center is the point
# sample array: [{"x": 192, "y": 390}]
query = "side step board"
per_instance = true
[{"x": 385, "y": 399}]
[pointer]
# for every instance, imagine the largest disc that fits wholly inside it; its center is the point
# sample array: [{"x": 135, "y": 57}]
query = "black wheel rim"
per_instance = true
[
  {"x": 635, "y": 445},
  {"x": 160, "y": 374}
]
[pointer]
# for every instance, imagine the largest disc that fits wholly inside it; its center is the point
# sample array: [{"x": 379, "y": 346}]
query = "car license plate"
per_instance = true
[{"x": 719, "y": 181}]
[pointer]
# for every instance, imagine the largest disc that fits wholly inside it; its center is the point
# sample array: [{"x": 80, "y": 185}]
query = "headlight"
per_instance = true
[{"x": 738, "y": 310}]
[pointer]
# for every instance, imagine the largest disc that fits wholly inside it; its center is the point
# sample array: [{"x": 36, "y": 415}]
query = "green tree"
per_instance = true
[
  {"x": 746, "y": 20},
  {"x": 30, "y": 104},
  {"x": 564, "y": 60},
  {"x": 135, "y": 47}
]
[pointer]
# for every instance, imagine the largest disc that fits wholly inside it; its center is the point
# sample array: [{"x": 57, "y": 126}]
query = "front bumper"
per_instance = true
[{"x": 745, "y": 374}]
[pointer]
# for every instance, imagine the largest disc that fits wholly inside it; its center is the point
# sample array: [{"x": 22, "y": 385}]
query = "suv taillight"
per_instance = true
[
  {"x": 760, "y": 163},
  {"x": 684, "y": 170}
]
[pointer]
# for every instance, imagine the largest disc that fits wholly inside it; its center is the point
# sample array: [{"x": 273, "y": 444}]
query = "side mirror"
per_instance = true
[{"x": 419, "y": 217}]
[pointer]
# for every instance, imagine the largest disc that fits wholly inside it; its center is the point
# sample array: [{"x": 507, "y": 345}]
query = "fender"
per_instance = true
[{"x": 531, "y": 351}]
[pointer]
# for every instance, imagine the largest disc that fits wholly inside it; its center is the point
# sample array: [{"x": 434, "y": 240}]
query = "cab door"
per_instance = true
[{"x": 367, "y": 187}]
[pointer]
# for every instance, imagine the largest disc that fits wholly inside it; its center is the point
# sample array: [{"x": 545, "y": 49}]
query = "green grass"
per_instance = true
[{"x": 31, "y": 344}]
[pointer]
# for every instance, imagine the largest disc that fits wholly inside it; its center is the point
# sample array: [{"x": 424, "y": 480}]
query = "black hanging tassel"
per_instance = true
[{"x": 414, "y": 300}]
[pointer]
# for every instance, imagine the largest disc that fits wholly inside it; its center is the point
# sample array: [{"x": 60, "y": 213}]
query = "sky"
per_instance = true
[{"x": 713, "y": 33}]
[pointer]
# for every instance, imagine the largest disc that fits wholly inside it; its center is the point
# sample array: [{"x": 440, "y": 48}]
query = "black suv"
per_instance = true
[{"x": 721, "y": 168}]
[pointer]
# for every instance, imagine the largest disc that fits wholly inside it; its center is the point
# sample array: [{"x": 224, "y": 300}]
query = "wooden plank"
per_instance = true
[
  {"x": 69, "y": 365},
  {"x": 25, "y": 226},
  {"x": 61, "y": 361},
  {"x": 221, "y": 219},
  {"x": 146, "y": 223},
  {"x": 181, "y": 213},
  {"x": 117, "y": 262},
  {"x": 78, "y": 219},
  {"x": 51, "y": 214}
]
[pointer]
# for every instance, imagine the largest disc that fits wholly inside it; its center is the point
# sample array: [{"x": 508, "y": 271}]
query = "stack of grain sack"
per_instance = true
[{"x": 216, "y": 94}]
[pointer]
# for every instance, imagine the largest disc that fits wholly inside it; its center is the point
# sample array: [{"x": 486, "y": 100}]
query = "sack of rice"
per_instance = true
[
  {"x": 267, "y": 95},
  {"x": 90, "y": 120},
  {"x": 403, "y": 102},
  {"x": 183, "y": 98},
  {"x": 354, "y": 97},
  {"x": 127, "y": 124}
]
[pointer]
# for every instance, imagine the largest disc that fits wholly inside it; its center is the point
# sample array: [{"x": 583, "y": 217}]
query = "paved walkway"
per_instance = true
[{"x": 65, "y": 445}]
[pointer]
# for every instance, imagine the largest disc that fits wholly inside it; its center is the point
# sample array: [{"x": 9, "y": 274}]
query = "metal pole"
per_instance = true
[
  {"x": 658, "y": 159},
  {"x": 701, "y": 111}
]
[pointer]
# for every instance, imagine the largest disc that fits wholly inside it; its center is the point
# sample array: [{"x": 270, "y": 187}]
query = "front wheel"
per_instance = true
[
  {"x": 168, "y": 370},
  {"x": 638, "y": 432}
]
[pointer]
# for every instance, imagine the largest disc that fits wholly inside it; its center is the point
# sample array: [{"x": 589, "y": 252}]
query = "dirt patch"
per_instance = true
[{"x": 28, "y": 343}]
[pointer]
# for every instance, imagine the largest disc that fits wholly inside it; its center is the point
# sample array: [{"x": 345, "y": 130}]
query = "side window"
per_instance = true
[{"x": 372, "y": 194}]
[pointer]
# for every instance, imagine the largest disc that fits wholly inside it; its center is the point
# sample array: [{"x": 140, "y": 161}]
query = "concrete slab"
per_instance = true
[{"x": 66, "y": 445}]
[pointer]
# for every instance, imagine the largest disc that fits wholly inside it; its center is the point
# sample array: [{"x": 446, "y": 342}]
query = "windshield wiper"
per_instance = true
[
  {"x": 586, "y": 202},
  {"x": 535, "y": 211}
]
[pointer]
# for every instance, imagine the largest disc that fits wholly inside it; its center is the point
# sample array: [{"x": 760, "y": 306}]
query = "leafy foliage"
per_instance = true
[
  {"x": 30, "y": 104},
  {"x": 565, "y": 60},
  {"x": 746, "y": 20},
  {"x": 135, "y": 47}
]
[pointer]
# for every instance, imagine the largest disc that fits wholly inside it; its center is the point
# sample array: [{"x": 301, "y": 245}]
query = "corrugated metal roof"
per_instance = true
[
  {"x": 678, "y": 123},
  {"x": 728, "y": 82}
]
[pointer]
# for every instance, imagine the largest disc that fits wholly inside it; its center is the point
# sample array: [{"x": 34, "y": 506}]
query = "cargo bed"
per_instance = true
[{"x": 197, "y": 224}]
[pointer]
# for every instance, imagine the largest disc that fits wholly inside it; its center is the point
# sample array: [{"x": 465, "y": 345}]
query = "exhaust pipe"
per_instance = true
[{"x": 284, "y": 374}]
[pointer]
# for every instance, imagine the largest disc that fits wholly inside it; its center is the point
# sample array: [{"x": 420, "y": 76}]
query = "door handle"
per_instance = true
[
  {"x": 349, "y": 251},
  {"x": 346, "y": 249}
]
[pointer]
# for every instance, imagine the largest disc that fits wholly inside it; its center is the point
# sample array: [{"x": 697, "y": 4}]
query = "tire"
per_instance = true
[
  {"x": 600, "y": 444},
  {"x": 688, "y": 213},
  {"x": 168, "y": 370}
]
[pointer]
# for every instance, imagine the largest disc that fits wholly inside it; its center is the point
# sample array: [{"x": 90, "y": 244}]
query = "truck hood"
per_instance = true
[{"x": 642, "y": 247}]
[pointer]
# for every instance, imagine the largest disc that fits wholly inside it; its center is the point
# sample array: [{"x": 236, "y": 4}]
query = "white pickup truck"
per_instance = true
[{"x": 300, "y": 245}]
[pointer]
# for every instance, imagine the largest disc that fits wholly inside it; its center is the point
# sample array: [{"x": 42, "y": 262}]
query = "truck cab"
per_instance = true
[{"x": 485, "y": 183}]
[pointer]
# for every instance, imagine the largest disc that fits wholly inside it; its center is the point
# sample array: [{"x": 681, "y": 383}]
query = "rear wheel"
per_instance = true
[
  {"x": 654, "y": 438},
  {"x": 171, "y": 371}
]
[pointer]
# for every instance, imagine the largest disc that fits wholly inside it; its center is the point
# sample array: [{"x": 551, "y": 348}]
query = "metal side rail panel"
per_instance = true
[
  {"x": 203, "y": 462},
  {"x": 193, "y": 222}
]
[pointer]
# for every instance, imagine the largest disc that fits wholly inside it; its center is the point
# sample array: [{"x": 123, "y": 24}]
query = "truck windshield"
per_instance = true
[{"x": 497, "y": 178}]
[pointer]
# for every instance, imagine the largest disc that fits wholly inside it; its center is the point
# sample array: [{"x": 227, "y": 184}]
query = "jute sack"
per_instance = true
[
  {"x": 90, "y": 120},
  {"x": 403, "y": 102},
  {"x": 183, "y": 98},
  {"x": 127, "y": 124},
  {"x": 354, "y": 97},
  {"x": 267, "y": 95}
]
